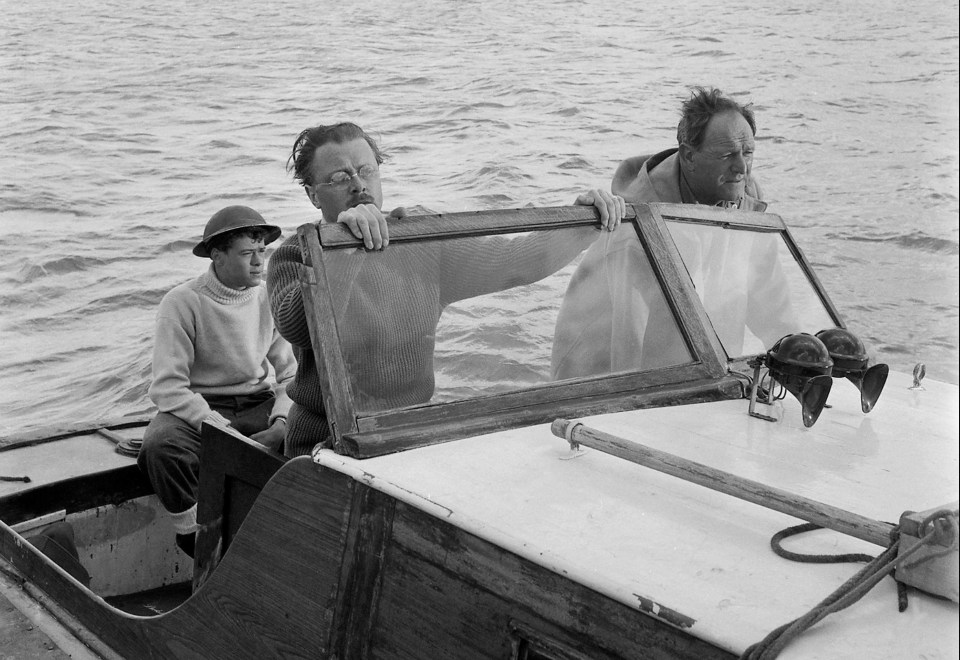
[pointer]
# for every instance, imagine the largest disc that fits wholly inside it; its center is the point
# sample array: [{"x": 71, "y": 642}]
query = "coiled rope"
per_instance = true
[{"x": 937, "y": 525}]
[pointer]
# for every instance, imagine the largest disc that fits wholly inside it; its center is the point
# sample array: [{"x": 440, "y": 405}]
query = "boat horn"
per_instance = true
[
  {"x": 802, "y": 364},
  {"x": 850, "y": 361}
]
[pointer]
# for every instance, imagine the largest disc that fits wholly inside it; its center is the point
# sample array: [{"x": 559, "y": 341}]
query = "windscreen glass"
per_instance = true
[
  {"x": 752, "y": 288},
  {"x": 450, "y": 319}
]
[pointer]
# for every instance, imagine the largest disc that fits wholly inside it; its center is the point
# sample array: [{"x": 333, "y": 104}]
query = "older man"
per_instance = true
[
  {"x": 711, "y": 165},
  {"x": 213, "y": 347},
  {"x": 614, "y": 316},
  {"x": 389, "y": 305}
]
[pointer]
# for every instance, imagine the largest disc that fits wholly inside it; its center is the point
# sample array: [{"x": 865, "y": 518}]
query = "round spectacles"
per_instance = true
[{"x": 342, "y": 178}]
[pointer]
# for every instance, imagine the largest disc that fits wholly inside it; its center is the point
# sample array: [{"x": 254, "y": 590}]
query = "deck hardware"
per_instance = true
[
  {"x": 937, "y": 572},
  {"x": 761, "y": 399},
  {"x": 850, "y": 361},
  {"x": 919, "y": 372},
  {"x": 575, "y": 449},
  {"x": 802, "y": 365}
]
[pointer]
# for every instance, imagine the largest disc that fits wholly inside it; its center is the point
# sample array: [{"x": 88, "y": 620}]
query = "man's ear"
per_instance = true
[{"x": 686, "y": 157}]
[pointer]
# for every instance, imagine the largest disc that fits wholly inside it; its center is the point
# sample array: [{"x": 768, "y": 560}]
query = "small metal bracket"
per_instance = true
[
  {"x": 919, "y": 372},
  {"x": 769, "y": 412},
  {"x": 575, "y": 450}
]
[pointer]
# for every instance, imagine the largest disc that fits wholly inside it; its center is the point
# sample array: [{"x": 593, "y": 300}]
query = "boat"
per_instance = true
[{"x": 525, "y": 519}]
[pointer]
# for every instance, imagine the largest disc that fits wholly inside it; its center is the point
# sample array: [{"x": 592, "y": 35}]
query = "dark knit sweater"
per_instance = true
[{"x": 387, "y": 306}]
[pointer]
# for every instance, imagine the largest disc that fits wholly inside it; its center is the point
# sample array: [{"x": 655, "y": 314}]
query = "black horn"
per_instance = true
[
  {"x": 850, "y": 361},
  {"x": 802, "y": 364}
]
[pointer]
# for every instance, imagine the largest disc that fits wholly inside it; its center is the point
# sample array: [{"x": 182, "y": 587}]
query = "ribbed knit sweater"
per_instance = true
[
  {"x": 211, "y": 339},
  {"x": 387, "y": 306}
]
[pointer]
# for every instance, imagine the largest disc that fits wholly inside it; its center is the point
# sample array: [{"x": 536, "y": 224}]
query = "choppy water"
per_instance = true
[{"x": 126, "y": 124}]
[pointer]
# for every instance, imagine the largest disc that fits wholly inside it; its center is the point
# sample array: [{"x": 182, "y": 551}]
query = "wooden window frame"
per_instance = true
[{"x": 705, "y": 377}]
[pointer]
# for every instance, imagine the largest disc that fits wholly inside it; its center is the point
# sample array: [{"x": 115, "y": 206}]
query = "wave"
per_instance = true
[
  {"x": 31, "y": 272},
  {"x": 915, "y": 240}
]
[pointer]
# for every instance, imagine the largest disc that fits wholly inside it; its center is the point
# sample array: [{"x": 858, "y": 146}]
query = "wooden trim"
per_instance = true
[
  {"x": 567, "y": 391},
  {"x": 471, "y": 223},
  {"x": 365, "y": 553},
  {"x": 233, "y": 471},
  {"x": 318, "y": 306},
  {"x": 691, "y": 316},
  {"x": 78, "y": 493},
  {"x": 770, "y": 497},
  {"x": 48, "y": 434},
  {"x": 751, "y": 221},
  {"x": 814, "y": 280},
  {"x": 367, "y": 433},
  {"x": 732, "y": 218},
  {"x": 393, "y": 439}
]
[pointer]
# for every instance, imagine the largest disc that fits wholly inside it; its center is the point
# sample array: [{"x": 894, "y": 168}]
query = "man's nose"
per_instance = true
[
  {"x": 739, "y": 163},
  {"x": 257, "y": 259},
  {"x": 357, "y": 184}
]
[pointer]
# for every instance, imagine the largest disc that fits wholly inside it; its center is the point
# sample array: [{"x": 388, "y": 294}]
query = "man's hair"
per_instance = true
[
  {"x": 224, "y": 241},
  {"x": 702, "y": 105},
  {"x": 311, "y": 139}
]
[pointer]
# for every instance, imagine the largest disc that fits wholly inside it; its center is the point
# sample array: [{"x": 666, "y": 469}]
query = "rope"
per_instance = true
[
  {"x": 935, "y": 525},
  {"x": 812, "y": 559}
]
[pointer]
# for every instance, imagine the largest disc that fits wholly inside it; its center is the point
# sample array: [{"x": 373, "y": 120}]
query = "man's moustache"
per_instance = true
[{"x": 362, "y": 199}]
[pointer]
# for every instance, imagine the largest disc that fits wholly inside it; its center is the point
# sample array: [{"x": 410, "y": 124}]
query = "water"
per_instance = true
[{"x": 127, "y": 124}]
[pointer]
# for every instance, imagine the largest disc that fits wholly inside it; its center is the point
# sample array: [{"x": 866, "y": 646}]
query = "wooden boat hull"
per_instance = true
[{"x": 325, "y": 566}]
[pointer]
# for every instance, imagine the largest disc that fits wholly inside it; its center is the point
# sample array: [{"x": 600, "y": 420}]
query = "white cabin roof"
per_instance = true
[{"x": 692, "y": 556}]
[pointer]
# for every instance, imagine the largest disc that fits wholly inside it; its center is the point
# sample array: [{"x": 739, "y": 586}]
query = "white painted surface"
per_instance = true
[
  {"x": 129, "y": 548},
  {"x": 631, "y": 532},
  {"x": 48, "y": 462}
]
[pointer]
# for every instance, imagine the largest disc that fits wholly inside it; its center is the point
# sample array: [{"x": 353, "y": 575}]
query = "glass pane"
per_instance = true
[
  {"x": 451, "y": 319},
  {"x": 752, "y": 288}
]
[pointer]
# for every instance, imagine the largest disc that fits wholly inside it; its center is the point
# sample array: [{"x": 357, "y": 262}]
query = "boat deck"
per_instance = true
[
  {"x": 53, "y": 461},
  {"x": 694, "y": 558}
]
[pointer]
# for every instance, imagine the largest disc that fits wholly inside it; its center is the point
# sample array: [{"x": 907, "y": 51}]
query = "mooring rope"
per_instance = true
[{"x": 938, "y": 523}]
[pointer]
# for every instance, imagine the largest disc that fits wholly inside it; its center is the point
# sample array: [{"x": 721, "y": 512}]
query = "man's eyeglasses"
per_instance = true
[{"x": 342, "y": 178}]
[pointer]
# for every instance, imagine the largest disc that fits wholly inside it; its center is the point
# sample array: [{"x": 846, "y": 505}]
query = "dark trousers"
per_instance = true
[{"x": 170, "y": 455}]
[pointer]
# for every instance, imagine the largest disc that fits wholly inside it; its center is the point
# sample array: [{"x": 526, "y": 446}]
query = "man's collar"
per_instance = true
[{"x": 745, "y": 202}]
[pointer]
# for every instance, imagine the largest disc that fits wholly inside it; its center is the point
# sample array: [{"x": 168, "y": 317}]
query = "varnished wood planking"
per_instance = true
[
  {"x": 365, "y": 552},
  {"x": 272, "y": 595},
  {"x": 288, "y": 553},
  {"x": 376, "y": 443},
  {"x": 683, "y": 299},
  {"x": 717, "y": 215},
  {"x": 447, "y": 592},
  {"x": 471, "y": 223},
  {"x": 80, "y": 493},
  {"x": 234, "y": 471},
  {"x": 318, "y": 307},
  {"x": 571, "y": 393}
]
